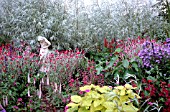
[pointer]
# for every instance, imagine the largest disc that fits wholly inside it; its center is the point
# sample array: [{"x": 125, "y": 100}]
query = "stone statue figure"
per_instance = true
[
  {"x": 44, "y": 53},
  {"x": 45, "y": 65},
  {"x": 44, "y": 60}
]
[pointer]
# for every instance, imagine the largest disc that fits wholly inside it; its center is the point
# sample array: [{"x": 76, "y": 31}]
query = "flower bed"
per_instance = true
[{"x": 137, "y": 62}]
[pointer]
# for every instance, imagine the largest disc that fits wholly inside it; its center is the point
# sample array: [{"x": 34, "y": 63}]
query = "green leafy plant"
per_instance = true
[
  {"x": 104, "y": 99},
  {"x": 116, "y": 65}
]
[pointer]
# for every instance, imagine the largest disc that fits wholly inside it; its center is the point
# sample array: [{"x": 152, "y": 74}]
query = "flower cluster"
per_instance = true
[
  {"x": 154, "y": 53},
  {"x": 167, "y": 48},
  {"x": 18, "y": 75},
  {"x": 131, "y": 46},
  {"x": 156, "y": 91},
  {"x": 85, "y": 76}
]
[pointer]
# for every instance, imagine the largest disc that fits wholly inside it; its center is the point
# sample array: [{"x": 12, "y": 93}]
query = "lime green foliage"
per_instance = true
[{"x": 104, "y": 99}]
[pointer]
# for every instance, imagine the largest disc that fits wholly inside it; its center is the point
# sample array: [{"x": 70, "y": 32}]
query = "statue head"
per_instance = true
[{"x": 43, "y": 41}]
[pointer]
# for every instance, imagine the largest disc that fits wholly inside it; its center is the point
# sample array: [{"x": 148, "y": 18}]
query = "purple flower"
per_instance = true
[
  {"x": 146, "y": 44},
  {"x": 158, "y": 61},
  {"x": 3, "y": 110},
  {"x": 155, "y": 54},
  {"x": 168, "y": 40}
]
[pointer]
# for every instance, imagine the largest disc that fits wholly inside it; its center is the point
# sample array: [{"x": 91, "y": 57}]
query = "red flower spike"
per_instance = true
[
  {"x": 105, "y": 43},
  {"x": 149, "y": 81},
  {"x": 112, "y": 41}
]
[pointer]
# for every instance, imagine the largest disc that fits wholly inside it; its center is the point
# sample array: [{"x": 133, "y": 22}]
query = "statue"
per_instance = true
[
  {"x": 44, "y": 60},
  {"x": 44, "y": 52}
]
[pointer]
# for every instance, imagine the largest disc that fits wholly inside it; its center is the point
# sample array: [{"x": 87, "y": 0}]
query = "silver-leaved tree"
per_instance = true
[{"x": 71, "y": 23}]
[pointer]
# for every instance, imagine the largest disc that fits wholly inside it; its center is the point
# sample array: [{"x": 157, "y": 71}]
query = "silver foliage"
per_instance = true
[{"x": 70, "y": 23}]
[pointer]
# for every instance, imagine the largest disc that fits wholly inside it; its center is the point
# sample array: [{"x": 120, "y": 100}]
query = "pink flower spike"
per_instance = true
[
  {"x": 150, "y": 103},
  {"x": 87, "y": 90}
]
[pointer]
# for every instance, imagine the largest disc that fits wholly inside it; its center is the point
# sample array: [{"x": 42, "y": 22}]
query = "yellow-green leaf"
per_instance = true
[
  {"x": 109, "y": 111},
  {"x": 109, "y": 105},
  {"x": 129, "y": 92},
  {"x": 95, "y": 95},
  {"x": 87, "y": 87},
  {"x": 98, "y": 102},
  {"x": 92, "y": 108},
  {"x": 137, "y": 96},
  {"x": 129, "y": 108},
  {"x": 86, "y": 102},
  {"x": 104, "y": 89},
  {"x": 83, "y": 109},
  {"x": 128, "y": 86},
  {"x": 107, "y": 88},
  {"x": 100, "y": 107},
  {"x": 124, "y": 98},
  {"x": 73, "y": 109},
  {"x": 72, "y": 105},
  {"x": 119, "y": 87},
  {"x": 115, "y": 91},
  {"x": 122, "y": 92},
  {"x": 76, "y": 99}
]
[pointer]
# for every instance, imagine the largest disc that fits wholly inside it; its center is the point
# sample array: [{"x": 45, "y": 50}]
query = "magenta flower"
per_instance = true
[
  {"x": 14, "y": 84},
  {"x": 31, "y": 109},
  {"x": 72, "y": 80},
  {"x": 19, "y": 99},
  {"x": 31, "y": 101},
  {"x": 80, "y": 92},
  {"x": 150, "y": 103},
  {"x": 66, "y": 108},
  {"x": 87, "y": 90}
]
